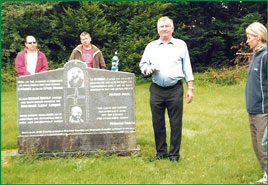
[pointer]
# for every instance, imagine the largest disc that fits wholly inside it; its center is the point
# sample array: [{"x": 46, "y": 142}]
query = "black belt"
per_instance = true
[{"x": 170, "y": 87}]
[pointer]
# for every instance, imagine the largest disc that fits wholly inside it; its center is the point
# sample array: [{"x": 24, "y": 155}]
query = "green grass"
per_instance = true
[
  {"x": 9, "y": 120},
  {"x": 216, "y": 147}
]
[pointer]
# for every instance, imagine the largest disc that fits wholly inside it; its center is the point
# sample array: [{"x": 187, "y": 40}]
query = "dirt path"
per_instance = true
[{"x": 6, "y": 155}]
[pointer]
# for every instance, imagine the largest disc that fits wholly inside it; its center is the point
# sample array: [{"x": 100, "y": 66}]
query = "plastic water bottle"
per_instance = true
[{"x": 115, "y": 62}]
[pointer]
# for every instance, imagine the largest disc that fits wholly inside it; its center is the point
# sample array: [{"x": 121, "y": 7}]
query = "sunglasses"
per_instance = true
[{"x": 31, "y": 42}]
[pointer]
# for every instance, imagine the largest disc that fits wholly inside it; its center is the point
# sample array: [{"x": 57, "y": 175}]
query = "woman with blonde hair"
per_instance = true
[{"x": 256, "y": 91}]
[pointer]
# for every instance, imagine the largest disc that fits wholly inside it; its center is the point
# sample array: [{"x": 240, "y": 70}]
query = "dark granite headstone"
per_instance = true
[{"x": 77, "y": 109}]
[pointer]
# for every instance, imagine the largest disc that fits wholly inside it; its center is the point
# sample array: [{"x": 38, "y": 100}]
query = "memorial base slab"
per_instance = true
[{"x": 122, "y": 144}]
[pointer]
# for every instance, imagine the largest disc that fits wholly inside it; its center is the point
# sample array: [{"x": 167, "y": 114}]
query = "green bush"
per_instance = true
[
  {"x": 223, "y": 76},
  {"x": 210, "y": 29},
  {"x": 8, "y": 78}
]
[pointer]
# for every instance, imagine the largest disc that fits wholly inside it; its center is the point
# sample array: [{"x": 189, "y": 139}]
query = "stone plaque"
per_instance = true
[{"x": 76, "y": 109}]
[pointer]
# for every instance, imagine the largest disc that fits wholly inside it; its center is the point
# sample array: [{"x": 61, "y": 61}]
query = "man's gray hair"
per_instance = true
[{"x": 165, "y": 19}]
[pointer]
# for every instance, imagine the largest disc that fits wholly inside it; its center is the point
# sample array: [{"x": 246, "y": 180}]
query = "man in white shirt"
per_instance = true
[
  {"x": 167, "y": 61},
  {"x": 31, "y": 60}
]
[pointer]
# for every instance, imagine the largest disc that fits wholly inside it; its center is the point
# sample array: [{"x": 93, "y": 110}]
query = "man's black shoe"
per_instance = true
[
  {"x": 159, "y": 157},
  {"x": 174, "y": 159}
]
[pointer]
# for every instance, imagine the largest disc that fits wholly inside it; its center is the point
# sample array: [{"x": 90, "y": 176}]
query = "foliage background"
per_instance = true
[{"x": 213, "y": 31}]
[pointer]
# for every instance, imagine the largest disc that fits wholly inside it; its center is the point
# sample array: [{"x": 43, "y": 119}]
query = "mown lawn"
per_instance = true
[{"x": 216, "y": 147}]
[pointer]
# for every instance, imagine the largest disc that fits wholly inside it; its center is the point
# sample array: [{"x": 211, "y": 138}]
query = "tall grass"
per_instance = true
[{"x": 216, "y": 146}]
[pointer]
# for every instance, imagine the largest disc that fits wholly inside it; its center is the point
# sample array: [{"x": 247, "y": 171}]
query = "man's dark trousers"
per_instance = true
[{"x": 172, "y": 99}]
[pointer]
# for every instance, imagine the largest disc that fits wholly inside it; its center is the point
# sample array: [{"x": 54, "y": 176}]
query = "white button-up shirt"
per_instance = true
[{"x": 171, "y": 59}]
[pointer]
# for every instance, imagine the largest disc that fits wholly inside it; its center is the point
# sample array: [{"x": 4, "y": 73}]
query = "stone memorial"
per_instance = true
[{"x": 76, "y": 110}]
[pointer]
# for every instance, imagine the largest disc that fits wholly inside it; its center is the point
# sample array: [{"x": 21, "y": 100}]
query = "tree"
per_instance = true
[
  {"x": 210, "y": 29},
  {"x": 24, "y": 18},
  {"x": 139, "y": 31}
]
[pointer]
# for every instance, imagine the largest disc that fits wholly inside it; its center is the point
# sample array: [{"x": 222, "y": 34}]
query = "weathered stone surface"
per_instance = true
[
  {"x": 76, "y": 109},
  {"x": 75, "y": 142}
]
